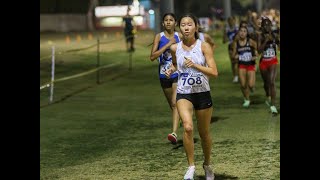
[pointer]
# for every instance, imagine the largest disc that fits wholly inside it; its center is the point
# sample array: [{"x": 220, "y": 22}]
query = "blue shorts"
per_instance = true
[{"x": 199, "y": 100}]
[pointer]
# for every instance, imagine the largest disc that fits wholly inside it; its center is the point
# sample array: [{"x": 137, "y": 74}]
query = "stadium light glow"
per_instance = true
[
  {"x": 121, "y": 10},
  {"x": 117, "y": 21},
  {"x": 135, "y": 3},
  {"x": 151, "y": 11}
]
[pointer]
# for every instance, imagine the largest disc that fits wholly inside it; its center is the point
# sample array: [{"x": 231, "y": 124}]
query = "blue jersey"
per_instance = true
[
  {"x": 231, "y": 33},
  {"x": 201, "y": 37},
  {"x": 165, "y": 59}
]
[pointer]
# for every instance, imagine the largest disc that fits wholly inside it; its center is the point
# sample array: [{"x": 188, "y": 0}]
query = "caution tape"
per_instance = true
[{"x": 67, "y": 51}]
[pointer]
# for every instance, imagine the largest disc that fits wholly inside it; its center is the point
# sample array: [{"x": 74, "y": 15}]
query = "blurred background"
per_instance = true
[{"x": 90, "y": 15}]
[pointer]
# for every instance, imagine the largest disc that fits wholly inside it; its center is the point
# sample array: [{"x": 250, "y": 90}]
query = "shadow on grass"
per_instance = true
[
  {"x": 257, "y": 99},
  {"x": 66, "y": 96},
  {"x": 217, "y": 118},
  {"x": 82, "y": 90},
  {"x": 219, "y": 177},
  {"x": 180, "y": 143}
]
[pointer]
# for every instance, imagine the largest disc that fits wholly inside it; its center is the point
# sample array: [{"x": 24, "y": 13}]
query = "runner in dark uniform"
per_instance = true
[
  {"x": 245, "y": 52},
  {"x": 128, "y": 24},
  {"x": 267, "y": 45}
]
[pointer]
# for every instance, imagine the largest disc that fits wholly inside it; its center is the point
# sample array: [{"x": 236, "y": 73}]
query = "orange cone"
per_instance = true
[
  {"x": 67, "y": 39},
  {"x": 78, "y": 38},
  {"x": 90, "y": 36}
]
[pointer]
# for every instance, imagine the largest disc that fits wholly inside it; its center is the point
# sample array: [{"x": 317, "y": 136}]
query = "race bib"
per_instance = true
[
  {"x": 247, "y": 56},
  {"x": 191, "y": 80},
  {"x": 269, "y": 53},
  {"x": 165, "y": 67},
  {"x": 166, "y": 61}
]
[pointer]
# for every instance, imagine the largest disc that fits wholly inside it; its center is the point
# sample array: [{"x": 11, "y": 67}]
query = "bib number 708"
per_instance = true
[{"x": 191, "y": 81}]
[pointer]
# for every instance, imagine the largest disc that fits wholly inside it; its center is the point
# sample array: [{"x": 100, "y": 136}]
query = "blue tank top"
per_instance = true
[
  {"x": 231, "y": 33},
  {"x": 165, "y": 59},
  {"x": 201, "y": 37}
]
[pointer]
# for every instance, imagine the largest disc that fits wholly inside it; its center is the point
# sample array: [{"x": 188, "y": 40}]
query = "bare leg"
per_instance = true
[
  {"x": 132, "y": 43},
  {"x": 266, "y": 81},
  {"x": 244, "y": 83},
  {"x": 234, "y": 66},
  {"x": 273, "y": 73},
  {"x": 185, "y": 109},
  {"x": 251, "y": 79},
  {"x": 127, "y": 45},
  {"x": 175, "y": 114},
  {"x": 170, "y": 94},
  {"x": 234, "y": 69},
  {"x": 203, "y": 121}
]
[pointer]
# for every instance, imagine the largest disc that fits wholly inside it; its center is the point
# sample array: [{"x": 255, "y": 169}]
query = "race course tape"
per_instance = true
[
  {"x": 77, "y": 75},
  {"x": 71, "y": 50},
  {"x": 79, "y": 49},
  {"x": 44, "y": 86}
]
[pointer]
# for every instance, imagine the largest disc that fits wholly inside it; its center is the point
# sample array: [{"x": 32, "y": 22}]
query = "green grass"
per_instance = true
[{"x": 117, "y": 130}]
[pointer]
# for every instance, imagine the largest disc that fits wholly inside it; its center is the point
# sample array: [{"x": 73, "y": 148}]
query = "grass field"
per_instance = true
[{"x": 117, "y": 129}]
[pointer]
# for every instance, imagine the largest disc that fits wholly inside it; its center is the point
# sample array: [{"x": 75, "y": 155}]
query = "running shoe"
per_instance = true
[
  {"x": 190, "y": 173},
  {"x": 208, "y": 172},
  {"x": 273, "y": 110},
  {"x": 172, "y": 137},
  {"x": 235, "y": 79},
  {"x": 246, "y": 103}
]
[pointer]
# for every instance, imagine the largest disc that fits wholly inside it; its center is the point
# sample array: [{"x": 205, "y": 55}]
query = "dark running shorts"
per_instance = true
[
  {"x": 167, "y": 83},
  {"x": 199, "y": 100}
]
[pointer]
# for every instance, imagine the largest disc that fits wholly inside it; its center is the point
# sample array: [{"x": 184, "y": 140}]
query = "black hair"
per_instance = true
[
  {"x": 170, "y": 14},
  {"x": 245, "y": 27},
  {"x": 265, "y": 22},
  {"x": 243, "y": 22},
  {"x": 195, "y": 19}
]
